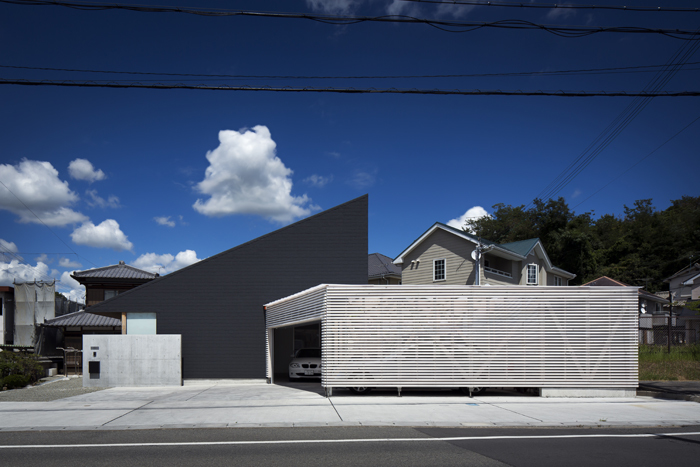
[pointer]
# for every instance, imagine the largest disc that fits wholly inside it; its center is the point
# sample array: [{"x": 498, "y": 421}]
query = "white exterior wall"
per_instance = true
[
  {"x": 449, "y": 336},
  {"x": 140, "y": 360}
]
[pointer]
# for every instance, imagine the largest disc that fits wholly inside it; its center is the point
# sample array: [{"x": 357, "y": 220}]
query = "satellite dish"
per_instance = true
[{"x": 474, "y": 255}]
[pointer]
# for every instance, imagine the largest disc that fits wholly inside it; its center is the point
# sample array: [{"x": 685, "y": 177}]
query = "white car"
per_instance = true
[{"x": 305, "y": 364}]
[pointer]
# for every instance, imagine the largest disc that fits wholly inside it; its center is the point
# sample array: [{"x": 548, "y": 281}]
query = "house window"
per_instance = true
[
  {"x": 557, "y": 281},
  {"x": 111, "y": 293},
  {"x": 532, "y": 274},
  {"x": 438, "y": 270}
]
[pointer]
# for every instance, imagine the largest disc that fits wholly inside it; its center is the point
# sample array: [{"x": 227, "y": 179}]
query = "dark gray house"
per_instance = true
[{"x": 217, "y": 303}]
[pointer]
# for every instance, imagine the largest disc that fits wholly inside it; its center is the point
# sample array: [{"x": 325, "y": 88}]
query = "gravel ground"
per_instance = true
[{"x": 51, "y": 389}]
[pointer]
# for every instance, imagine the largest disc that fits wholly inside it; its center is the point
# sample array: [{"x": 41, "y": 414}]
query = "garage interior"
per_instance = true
[{"x": 287, "y": 340}]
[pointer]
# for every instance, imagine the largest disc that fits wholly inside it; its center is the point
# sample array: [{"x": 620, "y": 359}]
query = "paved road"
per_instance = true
[{"x": 340, "y": 446}]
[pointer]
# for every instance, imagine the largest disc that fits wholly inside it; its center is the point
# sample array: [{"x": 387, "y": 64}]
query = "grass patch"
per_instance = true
[{"x": 682, "y": 364}]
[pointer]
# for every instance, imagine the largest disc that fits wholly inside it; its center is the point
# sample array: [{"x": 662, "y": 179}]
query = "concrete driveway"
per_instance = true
[{"x": 222, "y": 404}]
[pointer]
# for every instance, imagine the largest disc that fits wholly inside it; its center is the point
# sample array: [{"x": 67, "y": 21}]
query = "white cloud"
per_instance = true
[
  {"x": 44, "y": 258},
  {"x": 454, "y": 11},
  {"x": 561, "y": 13},
  {"x": 334, "y": 7},
  {"x": 111, "y": 202},
  {"x": 41, "y": 192},
  {"x": 15, "y": 271},
  {"x": 318, "y": 180},
  {"x": 67, "y": 263},
  {"x": 164, "y": 264},
  {"x": 246, "y": 177},
  {"x": 105, "y": 235},
  {"x": 362, "y": 179},
  {"x": 164, "y": 221},
  {"x": 8, "y": 250},
  {"x": 576, "y": 193},
  {"x": 474, "y": 213},
  {"x": 77, "y": 291},
  {"x": 400, "y": 7},
  {"x": 82, "y": 169}
]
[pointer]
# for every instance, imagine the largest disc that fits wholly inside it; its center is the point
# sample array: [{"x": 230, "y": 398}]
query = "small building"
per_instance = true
[
  {"x": 443, "y": 255},
  {"x": 381, "y": 270},
  {"x": 7, "y": 315},
  {"x": 74, "y": 325},
  {"x": 685, "y": 284},
  {"x": 107, "y": 282}
]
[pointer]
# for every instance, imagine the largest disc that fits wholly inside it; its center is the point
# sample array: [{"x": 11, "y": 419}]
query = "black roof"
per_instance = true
[
  {"x": 379, "y": 265},
  {"x": 116, "y": 271},
  {"x": 84, "y": 319}
]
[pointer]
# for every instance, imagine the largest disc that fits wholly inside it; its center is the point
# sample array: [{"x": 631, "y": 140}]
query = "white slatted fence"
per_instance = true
[{"x": 459, "y": 336}]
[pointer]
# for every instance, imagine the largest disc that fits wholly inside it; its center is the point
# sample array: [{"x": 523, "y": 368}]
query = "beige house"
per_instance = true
[
  {"x": 685, "y": 287},
  {"x": 445, "y": 255},
  {"x": 685, "y": 284}
]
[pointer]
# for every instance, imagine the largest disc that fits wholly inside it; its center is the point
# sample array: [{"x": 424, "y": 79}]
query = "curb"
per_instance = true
[{"x": 669, "y": 396}]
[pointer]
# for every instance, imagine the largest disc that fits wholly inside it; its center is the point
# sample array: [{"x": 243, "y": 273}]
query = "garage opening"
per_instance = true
[{"x": 286, "y": 341}]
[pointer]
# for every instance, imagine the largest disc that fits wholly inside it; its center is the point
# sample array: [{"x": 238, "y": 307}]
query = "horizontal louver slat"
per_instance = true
[{"x": 470, "y": 336}]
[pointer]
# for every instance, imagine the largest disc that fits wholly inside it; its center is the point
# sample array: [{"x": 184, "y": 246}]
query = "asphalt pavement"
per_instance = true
[
  {"x": 208, "y": 404},
  {"x": 359, "y": 445}
]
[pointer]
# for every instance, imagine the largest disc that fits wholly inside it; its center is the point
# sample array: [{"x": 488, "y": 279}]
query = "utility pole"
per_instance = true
[
  {"x": 670, "y": 315},
  {"x": 476, "y": 255}
]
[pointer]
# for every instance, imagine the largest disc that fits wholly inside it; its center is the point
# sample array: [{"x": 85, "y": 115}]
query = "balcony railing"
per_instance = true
[{"x": 498, "y": 272}]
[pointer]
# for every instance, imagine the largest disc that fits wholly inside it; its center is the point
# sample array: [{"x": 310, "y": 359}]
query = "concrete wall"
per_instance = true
[{"x": 132, "y": 360}]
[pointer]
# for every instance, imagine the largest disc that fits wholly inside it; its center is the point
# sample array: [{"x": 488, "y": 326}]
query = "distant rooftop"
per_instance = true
[
  {"x": 83, "y": 319},
  {"x": 116, "y": 271},
  {"x": 379, "y": 265},
  {"x": 605, "y": 281}
]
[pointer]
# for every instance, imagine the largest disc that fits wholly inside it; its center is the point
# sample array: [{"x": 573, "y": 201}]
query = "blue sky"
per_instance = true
[{"x": 163, "y": 178}]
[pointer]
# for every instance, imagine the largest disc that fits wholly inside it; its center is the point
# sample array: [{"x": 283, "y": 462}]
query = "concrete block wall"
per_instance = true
[{"x": 140, "y": 360}]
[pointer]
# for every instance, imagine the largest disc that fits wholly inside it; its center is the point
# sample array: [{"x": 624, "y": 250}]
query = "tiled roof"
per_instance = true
[
  {"x": 379, "y": 265},
  {"x": 116, "y": 271},
  {"x": 522, "y": 247},
  {"x": 82, "y": 318}
]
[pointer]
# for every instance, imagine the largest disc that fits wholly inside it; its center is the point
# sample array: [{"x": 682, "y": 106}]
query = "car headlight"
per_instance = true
[{"x": 294, "y": 365}]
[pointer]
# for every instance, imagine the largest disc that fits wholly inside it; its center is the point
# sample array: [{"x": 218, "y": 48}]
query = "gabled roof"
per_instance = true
[
  {"x": 83, "y": 319},
  {"x": 517, "y": 251},
  {"x": 116, "y": 271},
  {"x": 379, "y": 265},
  {"x": 605, "y": 281},
  {"x": 693, "y": 269},
  {"x": 523, "y": 247}
]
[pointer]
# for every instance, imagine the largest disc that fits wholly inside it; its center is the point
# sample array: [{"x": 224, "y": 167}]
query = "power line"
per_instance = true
[
  {"x": 583, "y": 71},
  {"x": 566, "y": 6},
  {"x": 637, "y": 163},
  {"x": 456, "y": 26},
  {"x": 42, "y": 222},
  {"x": 621, "y": 122},
  {"x": 473, "y": 92}
]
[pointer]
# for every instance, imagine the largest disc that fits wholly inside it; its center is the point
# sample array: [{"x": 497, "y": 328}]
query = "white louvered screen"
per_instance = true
[
  {"x": 296, "y": 309},
  {"x": 451, "y": 336}
]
